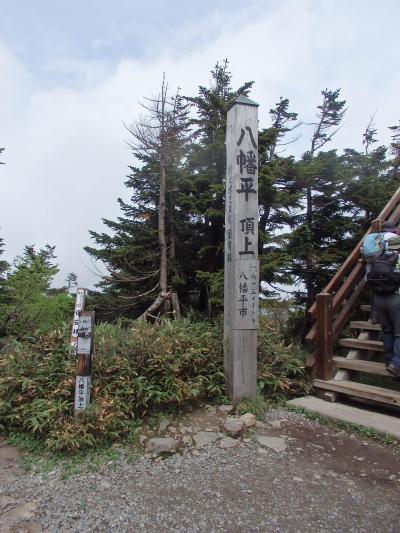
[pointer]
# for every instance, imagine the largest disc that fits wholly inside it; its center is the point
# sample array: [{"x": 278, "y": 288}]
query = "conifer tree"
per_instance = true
[
  {"x": 278, "y": 191},
  {"x": 141, "y": 256},
  {"x": 395, "y": 151},
  {"x": 329, "y": 116},
  {"x": 194, "y": 210},
  {"x": 4, "y": 266},
  {"x": 26, "y": 305},
  {"x": 72, "y": 281},
  {"x": 369, "y": 136},
  {"x": 206, "y": 170}
]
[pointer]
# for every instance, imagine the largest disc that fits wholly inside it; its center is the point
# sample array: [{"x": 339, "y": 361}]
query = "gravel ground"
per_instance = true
[{"x": 325, "y": 481}]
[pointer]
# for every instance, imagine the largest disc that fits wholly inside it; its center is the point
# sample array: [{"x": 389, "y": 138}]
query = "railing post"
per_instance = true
[
  {"x": 324, "y": 337},
  {"x": 376, "y": 225}
]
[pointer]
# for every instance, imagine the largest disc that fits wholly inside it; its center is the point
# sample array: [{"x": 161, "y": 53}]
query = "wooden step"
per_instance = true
[
  {"x": 364, "y": 324},
  {"x": 369, "y": 367},
  {"x": 376, "y": 346},
  {"x": 369, "y": 392},
  {"x": 381, "y": 423},
  {"x": 366, "y": 308}
]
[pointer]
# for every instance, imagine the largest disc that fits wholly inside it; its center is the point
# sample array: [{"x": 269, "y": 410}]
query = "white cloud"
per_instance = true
[{"x": 65, "y": 151}]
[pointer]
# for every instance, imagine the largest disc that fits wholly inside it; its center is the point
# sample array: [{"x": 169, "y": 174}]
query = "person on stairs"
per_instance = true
[{"x": 386, "y": 300}]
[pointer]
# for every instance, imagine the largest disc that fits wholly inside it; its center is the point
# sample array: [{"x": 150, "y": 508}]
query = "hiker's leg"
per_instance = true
[
  {"x": 374, "y": 313},
  {"x": 395, "y": 316},
  {"x": 388, "y": 346},
  {"x": 382, "y": 307}
]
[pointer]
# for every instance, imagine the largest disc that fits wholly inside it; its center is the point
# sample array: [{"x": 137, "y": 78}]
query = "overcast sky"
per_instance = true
[{"x": 72, "y": 71}]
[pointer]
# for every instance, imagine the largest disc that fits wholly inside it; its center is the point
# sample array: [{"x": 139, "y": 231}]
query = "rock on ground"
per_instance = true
[
  {"x": 234, "y": 426},
  {"x": 204, "y": 438},
  {"x": 228, "y": 442},
  {"x": 277, "y": 444},
  {"x": 161, "y": 445},
  {"x": 249, "y": 419},
  {"x": 225, "y": 408}
]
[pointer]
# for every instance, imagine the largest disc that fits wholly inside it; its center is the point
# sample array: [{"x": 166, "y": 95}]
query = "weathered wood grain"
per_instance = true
[{"x": 241, "y": 280}]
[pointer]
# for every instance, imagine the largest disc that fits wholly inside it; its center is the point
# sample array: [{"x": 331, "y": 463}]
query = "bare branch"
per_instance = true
[{"x": 137, "y": 296}]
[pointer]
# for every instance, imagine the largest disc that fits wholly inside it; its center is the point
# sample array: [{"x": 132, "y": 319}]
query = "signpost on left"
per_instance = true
[
  {"x": 81, "y": 343},
  {"x": 84, "y": 352}
]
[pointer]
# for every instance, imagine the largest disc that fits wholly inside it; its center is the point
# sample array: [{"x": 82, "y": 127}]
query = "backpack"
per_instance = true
[
  {"x": 373, "y": 246},
  {"x": 384, "y": 275},
  {"x": 393, "y": 243}
]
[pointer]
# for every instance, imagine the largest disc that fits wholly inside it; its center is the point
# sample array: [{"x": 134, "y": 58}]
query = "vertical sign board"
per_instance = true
[
  {"x": 84, "y": 352},
  {"x": 79, "y": 307},
  {"x": 241, "y": 278}
]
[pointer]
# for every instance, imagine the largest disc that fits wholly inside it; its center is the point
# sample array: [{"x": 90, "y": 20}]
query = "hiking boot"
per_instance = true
[{"x": 394, "y": 370}]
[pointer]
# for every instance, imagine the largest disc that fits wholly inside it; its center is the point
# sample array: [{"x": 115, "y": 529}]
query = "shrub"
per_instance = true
[
  {"x": 136, "y": 370},
  {"x": 281, "y": 366}
]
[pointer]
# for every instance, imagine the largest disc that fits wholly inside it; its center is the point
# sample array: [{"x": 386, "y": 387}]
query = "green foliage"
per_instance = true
[
  {"x": 194, "y": 214},
  {"x": 137, "y": 370},
  {"x": 281, "y": 372},
  {"x": 256, "y": 406},
  {"x": 214, "y": 282},
  {"x": 25, "y": 305}
]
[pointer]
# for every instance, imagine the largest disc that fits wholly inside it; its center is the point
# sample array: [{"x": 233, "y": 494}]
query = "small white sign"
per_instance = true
[
  {"x": 85, "y": 330},
  {"x": 82, "y": 392},
  {"x": 79, "y": 306}
]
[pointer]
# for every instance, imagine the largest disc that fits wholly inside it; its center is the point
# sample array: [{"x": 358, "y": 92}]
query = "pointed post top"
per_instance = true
[{"x": 243, "y": 100}]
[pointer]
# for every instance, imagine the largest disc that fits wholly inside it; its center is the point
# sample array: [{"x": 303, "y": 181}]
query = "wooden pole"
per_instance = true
[
  {"x": 376, "y": 225},
  {"x": 84, "y": 362},
  {"x": 241, "y": 279},
  {"x": 324, "y": 351}
]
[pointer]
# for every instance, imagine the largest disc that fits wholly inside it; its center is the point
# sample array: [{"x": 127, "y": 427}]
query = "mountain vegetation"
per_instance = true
[
  {"x": 164, "y": 259},
  {"x": 313, "y": 207}
]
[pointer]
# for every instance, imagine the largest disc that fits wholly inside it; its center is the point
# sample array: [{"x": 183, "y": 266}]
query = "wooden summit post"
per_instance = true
[{"x": 241, "y": 276}]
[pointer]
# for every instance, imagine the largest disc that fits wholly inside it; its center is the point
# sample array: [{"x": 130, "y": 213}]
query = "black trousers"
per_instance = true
[{"x": 387, "y": 309}]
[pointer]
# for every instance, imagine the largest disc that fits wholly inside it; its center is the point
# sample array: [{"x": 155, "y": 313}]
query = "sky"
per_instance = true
[{"x": 73, "y": 72}]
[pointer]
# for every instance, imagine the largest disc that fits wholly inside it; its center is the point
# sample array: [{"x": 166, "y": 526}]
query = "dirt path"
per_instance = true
[{"x": 321, "y": 480}]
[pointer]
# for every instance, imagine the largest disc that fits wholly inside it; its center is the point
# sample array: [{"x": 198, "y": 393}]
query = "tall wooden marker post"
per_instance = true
[
  {"x": 84, "y": 352},
  {"x": 81, "y": 346},
  {"x": 241, "y": 280}
]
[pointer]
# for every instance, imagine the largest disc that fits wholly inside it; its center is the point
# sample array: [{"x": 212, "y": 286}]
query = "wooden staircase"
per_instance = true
[{"x": 336, "y": 359}]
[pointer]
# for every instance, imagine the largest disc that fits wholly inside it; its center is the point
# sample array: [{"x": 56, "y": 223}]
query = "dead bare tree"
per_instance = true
[{"x": 162, "y": 134}]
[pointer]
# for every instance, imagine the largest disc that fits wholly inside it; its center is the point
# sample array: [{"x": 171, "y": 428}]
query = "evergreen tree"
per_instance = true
[
  {"x": 395, "y": 151},
  {"x": 72, "y": 281},
  {"x": 26, "y": 306},
  {"x": 4, "y": 266},
  {"x": 194, "y": 209},
  {"x": 141, "y": 256},
  {"x": 314, "y": 176},
  {"x": 369, "y": 136},
  {"x": 203, "y": 189},
  {"x": 278, "y": 192},
  {"x": 369, "y": 185}
]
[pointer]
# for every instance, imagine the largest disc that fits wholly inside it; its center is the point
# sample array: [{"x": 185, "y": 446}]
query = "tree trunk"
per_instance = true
[{"x": 161, "y": 229}]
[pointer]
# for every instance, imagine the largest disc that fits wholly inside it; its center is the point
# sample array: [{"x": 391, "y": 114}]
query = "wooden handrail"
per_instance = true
[
  {"x": 352, "y": 270},
  {"x": 345, "y": 312},
  {"x": 394, "y": 203},
  {"x": 324, "y": 352},
  {"x": 340, "y": 295}
]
